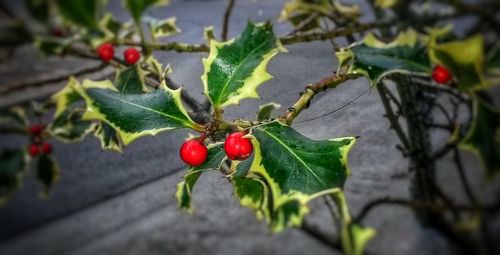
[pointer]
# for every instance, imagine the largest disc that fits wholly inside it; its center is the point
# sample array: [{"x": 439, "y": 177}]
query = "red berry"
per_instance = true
[
  {"x": 47, "y": 148},
  {"x": 36, "y": 129},
  {"x": 57, "y": 32},
  {"x": 33, "y": 150},
  {"x": 441, "y": 75},
  {"x": 131, "y": 56},
  {"x": 193, "y": 152},
  {"x": 237, "y": 147},
  {"x": 106, "y": 52}
]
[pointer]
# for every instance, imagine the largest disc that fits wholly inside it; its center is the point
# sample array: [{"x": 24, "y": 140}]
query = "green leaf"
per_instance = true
[
  {"x": 493, "y": 59},
  {"x": 294, "y": 169},
  {"x": 79, "y": 12},
  {"x": 130, "y": 80},
  {"x": 135, "y": 115},
  {"x": 137, "y": 7},
  {"x": 265, "y": 111},
  {"x": 483, "y": 137},
  {"x": 215, "y": 158},
  {"x": 13, "y": 165},
  {"x": 108, "y": 137},
  {"x": 385, "y": 4},
  {"x": 38, "y": 9},
  {"x": 466, "y": 65},
  {"x": 253, "y": 194},
  {"x": 47, "y": 172},
  {"x": 162, "y": 28},
  {"x": 234, "y": 69},
  {"x": 375, "y": 59},
  {"x": 311, "y": 168},
  {"x": 69, "y": 127},
  {"x": 66, "y": 96},
  {"x": 51, "y": 46},
  {"x": 14, "y": 115},
  {"x": 109, "y": 29}
]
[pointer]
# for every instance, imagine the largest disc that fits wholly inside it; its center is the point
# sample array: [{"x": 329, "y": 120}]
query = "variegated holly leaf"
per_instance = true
[
  {"x": 69, "y": 127},
  {"x": 325, "y": 8},
  {"x": 483, "y": 137},
  {"x": 47, "y": 172},
  {"x": 66, "y": 96},
  {"x": 162, "y": 28},
  {"x": 108, "y": 137},
  {"x": 13, "y": 164},
  {"x": 135, "y": 115},
  {"x": 15, "y": 116},
  {"x": 296, "y": 166},
  {"x": 79, "y": 12},
  {"x": 109, "y": 29},
  {"x": 265, "y": 111},
  {"x": 375, "y": 59},
  {"x": 137, "y": 7},
  {"x": 215, "y": 158},
  {"x": 130, "y": 80},
  {"x": 493, "y": 59},
  {"x": 48, "y": 46},
  {"x": 234, "y": 69},
  {"x": 385, "y": 4},
  {"x": 293, "y": 170},
  {"x": 467, "y": 66},
  {"x": 252, "y": 193}
]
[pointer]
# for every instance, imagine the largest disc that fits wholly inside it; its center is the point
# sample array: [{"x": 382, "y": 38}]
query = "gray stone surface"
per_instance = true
[{"x": 108, "y": 203}]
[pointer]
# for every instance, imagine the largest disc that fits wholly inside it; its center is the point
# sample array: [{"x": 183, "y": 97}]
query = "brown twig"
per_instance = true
[
  {"x": 311, "y": 90},
  {"x": 225, "y": 22}
]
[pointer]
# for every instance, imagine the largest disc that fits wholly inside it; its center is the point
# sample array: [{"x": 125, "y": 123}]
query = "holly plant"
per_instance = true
[{"x": 274, "y": 170}]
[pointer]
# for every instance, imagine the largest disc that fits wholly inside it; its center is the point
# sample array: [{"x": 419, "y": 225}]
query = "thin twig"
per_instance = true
[
  {"x": 311, "y": 90},
  {"x": 225, "y": 22},
  {"x": 393, "y": 119}
]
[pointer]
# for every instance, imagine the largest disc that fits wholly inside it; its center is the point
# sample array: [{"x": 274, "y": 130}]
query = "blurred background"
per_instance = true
[{"x": 111, "y": 203}]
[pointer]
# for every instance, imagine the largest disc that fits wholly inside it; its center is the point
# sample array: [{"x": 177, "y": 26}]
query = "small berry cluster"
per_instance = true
[
  {"x": 37, "y": 145},
  {"x": 194, "y": 152},
  {"x": 107, "y": 52}
]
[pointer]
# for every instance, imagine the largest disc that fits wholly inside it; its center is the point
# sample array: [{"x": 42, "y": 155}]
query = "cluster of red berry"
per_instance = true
[
  {"x": 194, "y": 152},
  {"x": 37, "y": 145},
  {"x": 106, "y": 52}
]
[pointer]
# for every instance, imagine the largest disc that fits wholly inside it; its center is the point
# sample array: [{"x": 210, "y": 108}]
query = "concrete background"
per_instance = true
[{"x": 107, "y": 203}]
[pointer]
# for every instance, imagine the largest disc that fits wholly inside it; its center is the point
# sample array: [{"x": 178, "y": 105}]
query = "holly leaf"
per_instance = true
[
  {"x": 79, "y": 12},
  {"x": 14, "y": 115},
  {"x": 47, "y": 172},
  {"x": 130, "y": 80},
  {"x": 135, "y": 115},
  {"x": 66, "y": 96},
  {"x": 215, "y": 158},
  {"x": 108, "y": 137},
  {"x": 234, "y": 69},
  {"x": 13, "y": 165},
  {"x": 375, "y": 59},
  {"x": 385, "y": 4},
  {"x": 467, "y": 66},
  {"x": 264, "y": 112},
  {"x": 162, "y": 28},
  {"x": 295, "y": 170},
  {"x": 69, "y": 127},
  {"x": 51, "y": 46},
  {"x": 483, "y": 137},
  {"x": 137, "y": 7}
]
